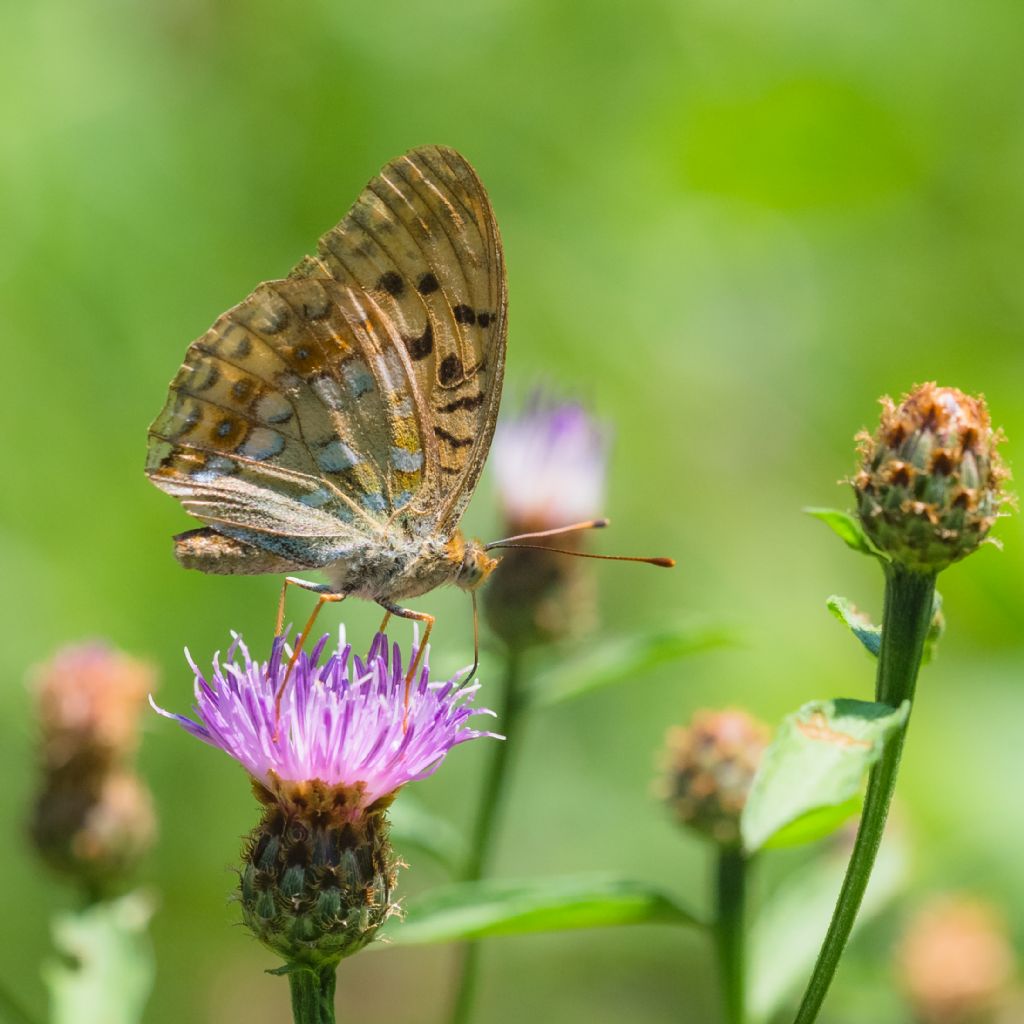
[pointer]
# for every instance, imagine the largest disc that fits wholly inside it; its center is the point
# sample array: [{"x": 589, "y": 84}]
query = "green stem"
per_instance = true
[
  {"x": 909, "y": 600},
  {"x": 313, "y": 994},
  {"x": 492, "y": 798},
  {"x": 729, "y": 930}
]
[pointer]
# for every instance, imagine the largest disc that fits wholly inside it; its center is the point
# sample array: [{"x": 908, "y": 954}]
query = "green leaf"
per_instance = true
[
  {"x": 786, "y": 934},
  {"x": 472, "y": 910},
  {"x": 860, "y": 625},
  {"x": 870, "y": 635},
  {"x": 622, "y": 659},
  {"x": 106, "y": 969},
  {"x": 810, "y": 776},
  {"x": 848, "y": 529},
  {"x": 935, "y": 631},
  {"x": 412, "y": 825}
]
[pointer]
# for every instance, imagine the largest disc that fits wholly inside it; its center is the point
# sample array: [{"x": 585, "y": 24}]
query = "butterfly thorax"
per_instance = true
[{"x": 405, "y": 568}]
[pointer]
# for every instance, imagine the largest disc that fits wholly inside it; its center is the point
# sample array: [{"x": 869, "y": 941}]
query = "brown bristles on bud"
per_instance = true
[
  {"x": 93, "y": 817},
  {"x": 955, "y": 963},
  {"x": 930, "y": 483},
  {"x": 709, "y": 767}
]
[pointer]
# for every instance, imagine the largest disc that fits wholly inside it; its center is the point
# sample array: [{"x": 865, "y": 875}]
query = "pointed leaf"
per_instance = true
[
  {"x": 472, "y": 910},
  {"x": 812, "y": 771},
  {"x": 412, "y": 825},
  {"x": 935, "y": 633},
  {"x": 786, "y": 934},
  {"x": 621, "y": 660},
  {"x": 870, "y": 635},
  {"x": 847, "y": 528},
  {"x": 106, "y": 968},
  {"x": 860, "y": 625}
]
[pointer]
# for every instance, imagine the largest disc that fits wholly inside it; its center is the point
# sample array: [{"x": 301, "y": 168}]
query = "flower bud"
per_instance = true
[
  {"x": 549, "y": 463},
  {"x": 930, "y": 484},
  {"x": 93, "y": 817},
  {"x": 318, "y": 872},
  {"x": 955, "y": 962},
  {"x": 709, "y": 768}
]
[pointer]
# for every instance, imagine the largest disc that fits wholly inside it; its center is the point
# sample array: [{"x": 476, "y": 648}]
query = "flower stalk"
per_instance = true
[
  {"x": 485, "y": 828},
  {"x": 313, "y": 994},
  {"x": 730, "y": 895},
  {"x": 909, "y": 600}
]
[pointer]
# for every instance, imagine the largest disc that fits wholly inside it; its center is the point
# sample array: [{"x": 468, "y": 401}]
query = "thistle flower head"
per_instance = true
[
  {"x": 930, "y": 484},
  {"x": 710, "y": 765},
  {"x": 342, "y": 719},
  {"x": 93, "y": 817},
  {"x": 549, "y": 462},
  {"x": 318, "y": 870}
]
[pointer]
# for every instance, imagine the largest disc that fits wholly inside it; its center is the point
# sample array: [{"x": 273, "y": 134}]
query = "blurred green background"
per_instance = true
[{"x": 729, "y": 227}]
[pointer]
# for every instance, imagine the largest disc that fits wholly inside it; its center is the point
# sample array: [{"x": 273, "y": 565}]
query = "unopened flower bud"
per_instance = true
[
  {"x": 930, "y": 484},
  {"x": 94, "y": 827},
  {"x": 709, "y": 768},
  {"x": 955, "y": 962}
]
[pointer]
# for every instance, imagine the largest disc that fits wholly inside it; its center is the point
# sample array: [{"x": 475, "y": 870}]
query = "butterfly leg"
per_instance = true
[
  {"x": 408, "y": 613},
  {"x": 384, "y": 624},
  {"x": 326, "y": 596},
  {"x": 294, "y": 581}
]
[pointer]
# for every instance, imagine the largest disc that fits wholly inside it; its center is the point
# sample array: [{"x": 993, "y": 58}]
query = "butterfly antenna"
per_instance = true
[
  {"x": 663, "y": 563},
  {"x": 587, "y": 524}
]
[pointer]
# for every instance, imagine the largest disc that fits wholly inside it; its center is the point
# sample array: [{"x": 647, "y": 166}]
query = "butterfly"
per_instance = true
[{"x": 338, "y": 419}]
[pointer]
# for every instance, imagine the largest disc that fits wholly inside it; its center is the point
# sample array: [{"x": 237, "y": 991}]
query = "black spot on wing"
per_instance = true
[
  {"x": 427, "y": 284},
  {"x": 470, "y": 402},
  {"x": 421, "y": 347},
  {"x": 450, "y": 370},
  {"x": 464, "y": 314},
  {"x": 451, "y": 439},
  {"x": 391, "y": 282}
]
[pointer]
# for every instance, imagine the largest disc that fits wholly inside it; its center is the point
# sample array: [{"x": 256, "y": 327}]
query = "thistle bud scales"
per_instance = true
[
  {"x": 930, "y": 484},
  {"x": 318, "y": 873}
]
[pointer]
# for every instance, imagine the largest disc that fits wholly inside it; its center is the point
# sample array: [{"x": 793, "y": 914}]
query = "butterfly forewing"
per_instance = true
[{"x": 361, "y": 388}]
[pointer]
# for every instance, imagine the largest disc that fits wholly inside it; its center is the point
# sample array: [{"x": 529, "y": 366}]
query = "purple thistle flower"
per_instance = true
[
  {"x": 341, "y": 721},
  {"x": 550, "y": 464}
]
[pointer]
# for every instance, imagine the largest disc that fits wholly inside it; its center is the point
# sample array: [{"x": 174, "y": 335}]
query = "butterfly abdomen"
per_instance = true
[{"x": 211, "y": 552}]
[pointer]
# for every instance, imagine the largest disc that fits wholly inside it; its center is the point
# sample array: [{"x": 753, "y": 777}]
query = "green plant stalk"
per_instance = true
[
  {"x": 492, "y": 799},
  {"x": 313, "y": 994},
  {"x": 909, "y": 600},
  {"x": 730, "y": 940}
]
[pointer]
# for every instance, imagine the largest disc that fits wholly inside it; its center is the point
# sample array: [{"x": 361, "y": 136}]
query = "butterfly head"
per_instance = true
[{"x": 473, "y": 562}]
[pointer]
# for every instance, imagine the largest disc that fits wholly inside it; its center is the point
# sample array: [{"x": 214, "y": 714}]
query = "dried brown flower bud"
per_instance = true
[
  {"x": 955, "y": 962},
  {"x": 709, "y": 768},
  {"x": 93, "y": 817}
]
